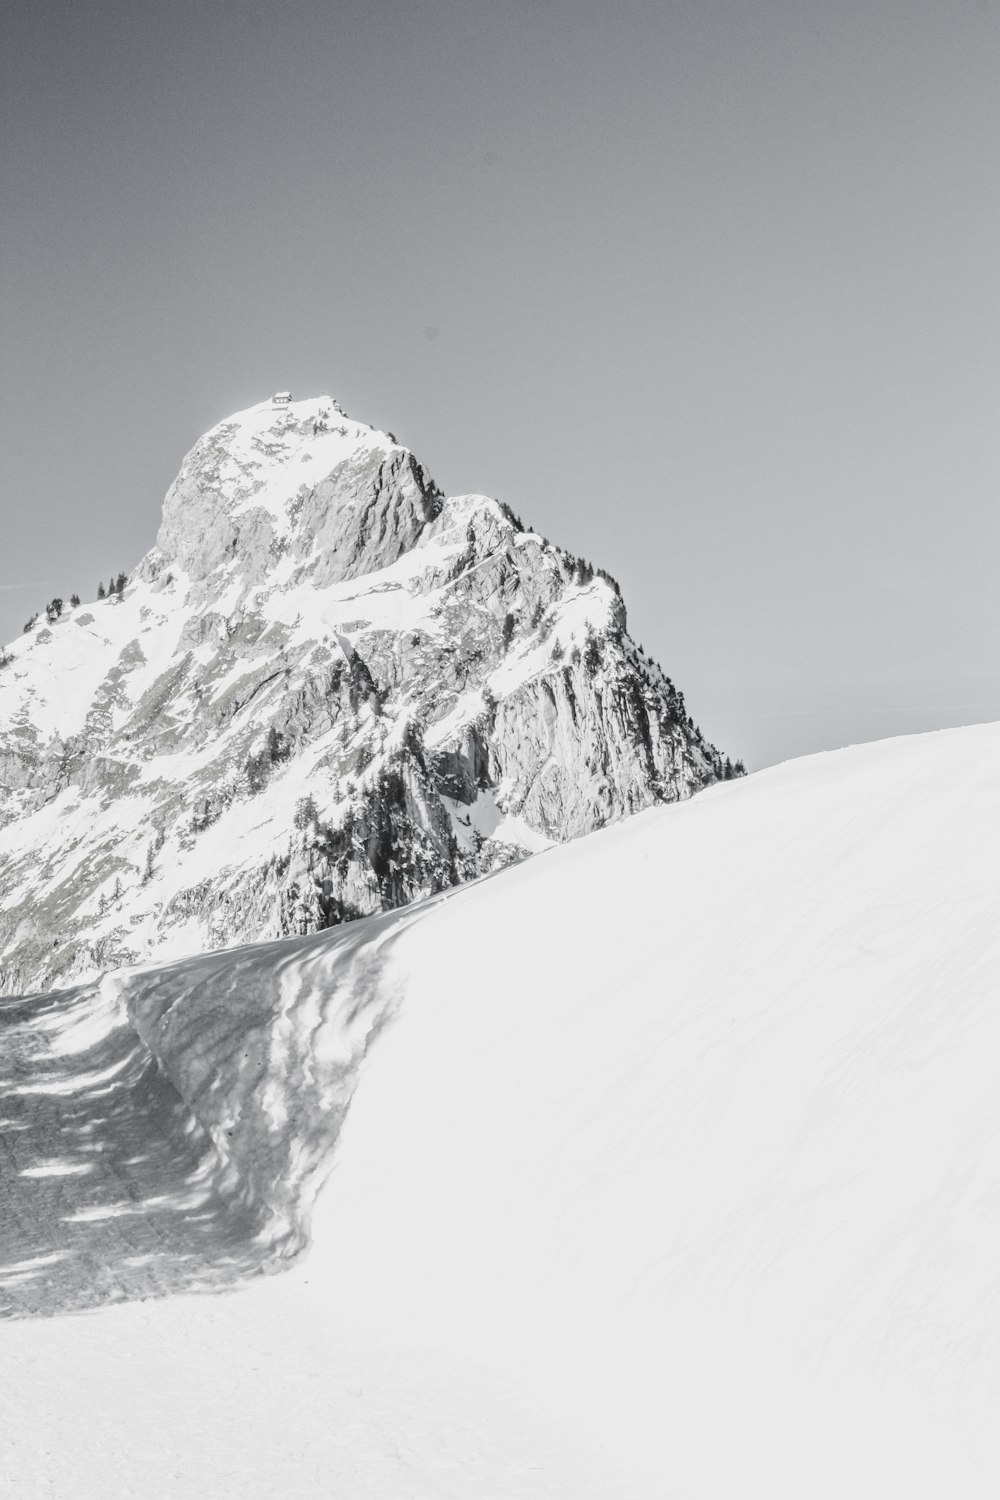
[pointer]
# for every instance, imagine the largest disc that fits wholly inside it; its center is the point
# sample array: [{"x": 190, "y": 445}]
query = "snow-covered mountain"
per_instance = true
[
  {"x": 671, "y": 1170},
  {"x": 326, "y": 691}
]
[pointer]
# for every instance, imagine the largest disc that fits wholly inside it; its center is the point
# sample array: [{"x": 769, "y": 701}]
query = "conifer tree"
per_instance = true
[
  {"x": 306, "y": 813},
  {"x": 100, "y": 590}
]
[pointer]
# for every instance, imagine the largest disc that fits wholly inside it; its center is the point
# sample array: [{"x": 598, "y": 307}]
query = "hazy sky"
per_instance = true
[{"x": 708, "y": 291}]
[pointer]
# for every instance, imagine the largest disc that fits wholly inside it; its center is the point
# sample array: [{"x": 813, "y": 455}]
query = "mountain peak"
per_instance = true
[
  {"x": 294, "y": 478},
  {"x": 327, "y": 691}
]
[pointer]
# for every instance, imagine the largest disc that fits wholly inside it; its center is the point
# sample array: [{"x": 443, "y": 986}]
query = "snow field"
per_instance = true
[{"x": 676, "y": 1173}]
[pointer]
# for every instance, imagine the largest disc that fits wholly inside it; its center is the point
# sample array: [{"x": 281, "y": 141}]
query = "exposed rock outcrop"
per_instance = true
[{"x": 327, "y": 691}]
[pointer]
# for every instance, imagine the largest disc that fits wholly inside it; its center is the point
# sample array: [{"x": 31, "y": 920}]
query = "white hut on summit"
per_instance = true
[{"x": 282, "y": 398}]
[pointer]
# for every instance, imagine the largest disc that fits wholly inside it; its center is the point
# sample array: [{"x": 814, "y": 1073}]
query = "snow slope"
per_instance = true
[{"x": 673, "y": 1170}]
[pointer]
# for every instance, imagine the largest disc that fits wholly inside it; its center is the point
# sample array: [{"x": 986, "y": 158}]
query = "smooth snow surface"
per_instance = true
[{"x": 677, "y": 1173}]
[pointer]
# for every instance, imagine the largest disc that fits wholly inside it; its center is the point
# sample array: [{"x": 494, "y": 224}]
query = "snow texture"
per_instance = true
[{"x": 670, "y": 1168}]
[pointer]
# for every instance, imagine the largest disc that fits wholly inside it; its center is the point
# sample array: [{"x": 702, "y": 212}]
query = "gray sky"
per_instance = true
[{"x": 708, "y": 291}]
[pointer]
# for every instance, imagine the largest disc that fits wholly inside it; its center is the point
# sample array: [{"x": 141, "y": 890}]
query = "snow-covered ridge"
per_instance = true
[
  {"x": 326, "y": 691},
  {"x": 686, "y": 1129}
]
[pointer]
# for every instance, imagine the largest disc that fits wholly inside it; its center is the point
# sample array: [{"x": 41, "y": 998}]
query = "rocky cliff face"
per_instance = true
[{"x": 328, "y": 690}]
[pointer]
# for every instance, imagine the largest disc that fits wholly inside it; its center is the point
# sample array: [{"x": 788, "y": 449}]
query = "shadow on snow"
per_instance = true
[{"x": 109, "y": 1188}]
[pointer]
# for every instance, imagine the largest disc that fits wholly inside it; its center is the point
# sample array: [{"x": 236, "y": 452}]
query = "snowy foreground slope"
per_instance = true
[{"x": 673, "y": 1169}]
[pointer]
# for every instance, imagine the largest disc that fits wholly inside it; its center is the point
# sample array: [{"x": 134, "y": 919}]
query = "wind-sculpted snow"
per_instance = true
[
  {"x": 167, "y": 1130},
  {"x": 675, "y": 1172},
  {"x": 110, "y": 1188},
  {"x": 328, "y": 691},
  {"x": 263, "y": 1044}
]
